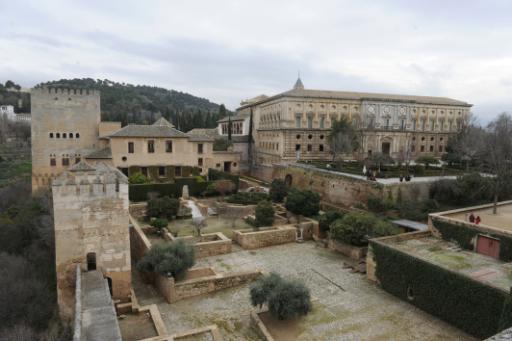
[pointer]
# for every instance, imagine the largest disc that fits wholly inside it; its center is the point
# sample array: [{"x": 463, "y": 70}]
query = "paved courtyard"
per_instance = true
[{"x": 350, "y": 309}]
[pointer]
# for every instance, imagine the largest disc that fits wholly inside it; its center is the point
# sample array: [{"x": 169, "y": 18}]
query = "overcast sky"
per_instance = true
[{"x": 230, "y": 50}]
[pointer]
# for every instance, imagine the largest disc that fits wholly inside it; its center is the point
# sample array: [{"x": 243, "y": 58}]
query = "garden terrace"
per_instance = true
[
  {"x": 448, "y": 255},
  {"x": 345, "y": 304}
]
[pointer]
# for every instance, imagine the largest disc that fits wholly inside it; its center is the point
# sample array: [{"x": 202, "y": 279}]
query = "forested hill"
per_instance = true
[{"x": 144, "y": 104}]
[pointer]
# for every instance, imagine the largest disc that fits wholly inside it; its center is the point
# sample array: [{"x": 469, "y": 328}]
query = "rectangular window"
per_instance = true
[
  {"x": 144, "y": 171},
  {"x": 168, "y": 146},
  {"x": 297, "y": 120},
  {"x": 65, "y": 161},
  {"x": 431, "y": 148},
  {"x": 422, "y": 149},
  {"x": 177, "y": 171},
  {"x": 77, "y": 160},
  {"x": 199, "y": 148},
  {"x": 130, "y": 148},
  {"x": 151, "y": 146},
  {"x": 310, "y": 121},
  {"x": 161, "y": 171},
  {"x": 310, "y": 148},
  {"x": 297, "y": 147},
  {"x": 200, "y": 162},
  {"x": 53, "y": 162},
  {"x": 322, "y": 122},
  {"x": 321, "y": 148},
  {"x": 440, "y": 149}
]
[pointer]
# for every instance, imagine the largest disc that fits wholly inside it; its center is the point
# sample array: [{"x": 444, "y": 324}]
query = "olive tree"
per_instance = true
[
  {"x": 264, "y": 213},
  {"x": 172, "y": 259}
]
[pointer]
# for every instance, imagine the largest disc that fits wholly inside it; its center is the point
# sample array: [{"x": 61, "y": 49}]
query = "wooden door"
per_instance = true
[{"x": 488, "y": 246}]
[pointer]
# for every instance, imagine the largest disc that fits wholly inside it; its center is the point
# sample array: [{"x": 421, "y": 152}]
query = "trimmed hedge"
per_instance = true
[
  {"x": 247, "y": 198},
  {"x": 139, "y": 192},
  {"x": 476, "y": 308},
  {"x": 464, "y": 235},
  {"x": 214, "y": 174}
]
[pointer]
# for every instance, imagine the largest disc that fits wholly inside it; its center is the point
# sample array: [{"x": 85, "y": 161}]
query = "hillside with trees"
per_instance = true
[
  {"x": 144, "y": 104},
  {"x": 11, "y": 94}
]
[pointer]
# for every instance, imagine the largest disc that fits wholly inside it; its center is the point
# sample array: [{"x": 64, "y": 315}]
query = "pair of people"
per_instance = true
[{"x": 473, "y": 219}]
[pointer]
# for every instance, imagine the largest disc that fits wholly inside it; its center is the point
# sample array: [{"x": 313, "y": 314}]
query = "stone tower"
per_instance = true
[
  {"x": 64, "y": 129},
  {"x": 90, "y": 205}
]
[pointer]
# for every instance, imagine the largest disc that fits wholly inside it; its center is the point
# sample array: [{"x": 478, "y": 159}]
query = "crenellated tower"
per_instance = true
[
  {"x": 64, "y": 129},
  {"x": 90, "y": 205}
]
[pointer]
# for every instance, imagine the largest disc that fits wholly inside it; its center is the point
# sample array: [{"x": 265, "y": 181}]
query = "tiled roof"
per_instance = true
[
  {"x": 161, "y": 128},
  {"x": 104, "y": 153},
  {"x": 326, "y": 94},
  {"x": 212, "y": 132}
]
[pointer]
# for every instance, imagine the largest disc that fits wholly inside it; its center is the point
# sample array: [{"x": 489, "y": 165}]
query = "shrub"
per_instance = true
[
  {"x": 247, "y": 198},
  {"x": 168, "y": 259},
  {"x": 278, "y": 190},
  {"x": 138, "y": 178},
  {"x": 214, "y": 174},
  {"x": 376, "y": 204},
  {"x": 159, "y": 223},
  {"x": 221, "y": 144},
  {"x": 261, "y": 289},
  {"x": 306, "y": 203},
  {"x": 291, "y": 299},
  {"x": 384, "y": 228},
  {"x": 224, "y": 187},
  {"x": 264, "y": 213},
  {"x": 465, "y": 190},
  {"x": 165, "y": 207},
  {"x": 352, "y": 228},
  {"x": 325, "y": 220},
  {"x": 285, "y": 299},
  {"x": 427, "y": 160}
]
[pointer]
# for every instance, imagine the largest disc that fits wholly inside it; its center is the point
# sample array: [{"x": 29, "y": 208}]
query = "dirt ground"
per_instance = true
[
  {"x": 137, "y": 327},
  {"x": 503, "y": 219},
  {"x": 353, "y": 309}
]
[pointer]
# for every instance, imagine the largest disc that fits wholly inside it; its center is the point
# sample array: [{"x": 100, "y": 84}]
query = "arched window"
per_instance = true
[{"x": 91, "y": 261}]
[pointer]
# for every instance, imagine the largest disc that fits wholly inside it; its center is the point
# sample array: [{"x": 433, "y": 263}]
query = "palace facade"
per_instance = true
[{"x": 294, "y": 125}]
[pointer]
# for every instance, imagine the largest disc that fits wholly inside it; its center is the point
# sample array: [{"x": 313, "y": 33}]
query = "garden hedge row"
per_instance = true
[
  {"x": 186, "y": 171},
  {"x": 214, "y": 174},
  {"x": 472, "y": 306},
  {"x": 139, "y": 192},
  {"x": 463, "y": 235}
]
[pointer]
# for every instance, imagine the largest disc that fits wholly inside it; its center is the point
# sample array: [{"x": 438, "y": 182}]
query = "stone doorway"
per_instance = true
[
  {"x": 91, "y": 261},
  {"x": 386, "y": 148},
  {"x": 288, "y": 180}
]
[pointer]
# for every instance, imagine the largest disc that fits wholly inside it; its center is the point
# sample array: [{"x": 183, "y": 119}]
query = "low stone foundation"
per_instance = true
[
  {"x": 201, "y": 281},
  {"x": 351, "y": 251},
  {"x": 250, "y": 239},
  {"x": 211, "y": 244}
]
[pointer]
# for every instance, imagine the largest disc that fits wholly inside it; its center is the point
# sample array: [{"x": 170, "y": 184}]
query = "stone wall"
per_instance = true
[
  {"x": 249, "y": 239},
  {"x": 139, "y": 243},
  {"x": 138, "y": 210},
  {"x": 351, "y": 251},
  {"x": 174, "y": 291},
  {"x": 344, "y": 189},
  {"x": 212, "y": 244}
]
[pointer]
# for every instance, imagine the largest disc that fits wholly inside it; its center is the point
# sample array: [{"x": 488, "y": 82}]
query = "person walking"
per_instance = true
[
  {"x": 477, "y": 220},
  {"x": 471, "y": 218}
]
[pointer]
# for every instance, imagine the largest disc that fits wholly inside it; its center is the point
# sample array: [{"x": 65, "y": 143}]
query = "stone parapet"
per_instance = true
[{"x": 250, "y": 239}]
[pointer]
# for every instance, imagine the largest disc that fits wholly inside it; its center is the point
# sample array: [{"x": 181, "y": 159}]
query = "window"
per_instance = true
[
  {"x": 177, "y": 171},
  {"x": 65, "y": 161},
  {"x": 422, "y": 149},
  {"x": 387, "y": 123},
  {"x": 130, "y": 148},
  {"x": 53, "y": 162},
  {"x": 199, "y": 148},
  {"x": 161, "y": 171},
  {"x": 168, "y": 146},
  {"x": 310, "y": 148},
  {"x": 414, "y": 124},
  {"x": 431, "y": 148},
  {"x": 402, "y": 124},
  {"x": 57, "y": 135},
  {"x": 297, "y": 137},
  {"x": 297, "y": 120},
  {"x": 440, "y": 149},
  {"x": 70, "y": 135},
  {"x": 77, "y": 159},
  {"x": 310, "y": 121},
  {"x": 297, "y": 147},
  {"x": 310, "y": 136},
  {"x": 200, "y": 162},
  {"x": 151, "y": 146},
  {"x": 217, "y": 165},
  {"x": 321, "y": 148},
  {"x": 51, "y": 135},
  {"x": 144, "y": 171},
  {"x": 322, "y": 122},
  {"x": 124, "y": 171},
  {"x": 77, "y": 135},
  {"x": 64, "y": 135}
]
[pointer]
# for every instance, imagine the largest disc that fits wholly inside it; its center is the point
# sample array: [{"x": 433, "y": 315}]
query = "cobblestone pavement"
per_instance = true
[{"x": 359, "y": 310}]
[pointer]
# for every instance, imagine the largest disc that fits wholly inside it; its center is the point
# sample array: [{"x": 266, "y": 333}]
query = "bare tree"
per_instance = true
[
  {"x": 497, "y": 152},
  {"x": 343, "y": 138}
]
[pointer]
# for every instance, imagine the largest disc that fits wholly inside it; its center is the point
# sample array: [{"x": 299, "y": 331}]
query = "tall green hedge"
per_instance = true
[
  {"x": 464, "y": 235},
  {"x": 214, "y": 174},
  {"x": 476, "y": 308},
  {"x": 139, "y": 192}
]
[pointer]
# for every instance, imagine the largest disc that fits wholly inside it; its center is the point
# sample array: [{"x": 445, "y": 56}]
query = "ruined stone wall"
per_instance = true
[
  {"x": 174, "y": 291},
  {"x": 249, "y": 239},
  {"x": 211, "y": 244},
  {"x": 139, "y": 243},
  {"x": 64, "y": 126}
]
